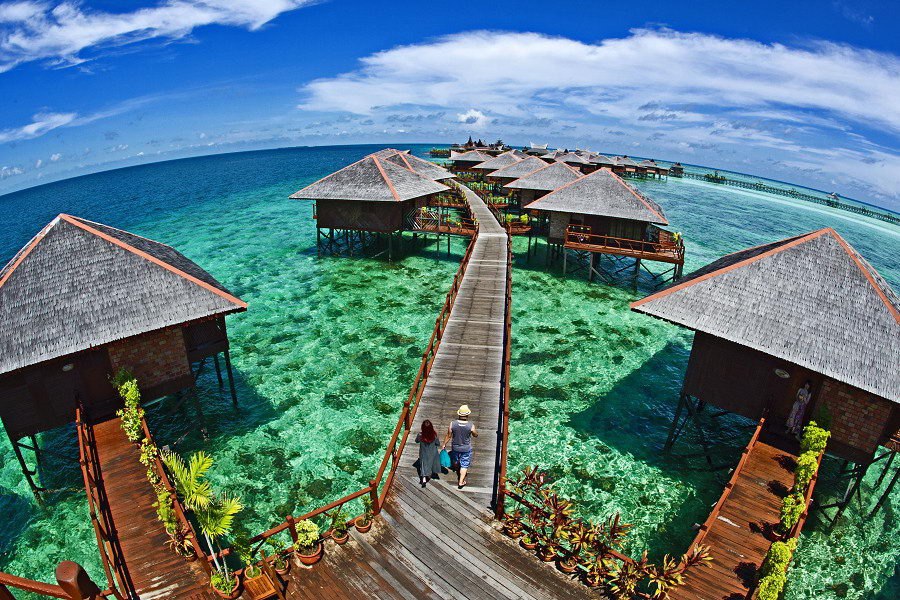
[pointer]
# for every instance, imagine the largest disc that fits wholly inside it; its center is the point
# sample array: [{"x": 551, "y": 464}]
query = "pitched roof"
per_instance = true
[
  {"x": 601, "y": 159},
  {"x": 520, "y": 169},
  {"x": 498, "y": 162},
  {"x": 472, "y": 156},
  {"x": 423, "y": 167},
  {"x": 79, "y": 284},
  {"x": 547, "y": 178},
  {"x": 572, "y": 157},
  {"x": 602, "y": 193},
  {"x": 811, "y": 300},
  {"x": 624, "y": 160},
  {"x": 520, "y": 154},
  {"x": 371, "y": 179}
]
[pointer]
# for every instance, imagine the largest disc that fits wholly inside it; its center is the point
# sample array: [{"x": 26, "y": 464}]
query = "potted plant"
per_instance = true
[
  {"x": 339, "y": 526},
  {"x": 512, "y": 524},
  {"x": 308, "y": 547},
  {"x": 278, "y": 547},
  {"x": 364, "y": 521},
  {"x": 528, "y": 542},
  {"x": 596, "y": 570},
  {"x": 224, "y": 584},
  {"x": 578, "y": 535}
]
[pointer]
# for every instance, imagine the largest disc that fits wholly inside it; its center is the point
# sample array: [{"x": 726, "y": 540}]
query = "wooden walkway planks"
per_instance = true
[
  {"x": 438, "y": 542},
  {"x": 736, "y": 538},
  {"x": 155, "y": 571}
]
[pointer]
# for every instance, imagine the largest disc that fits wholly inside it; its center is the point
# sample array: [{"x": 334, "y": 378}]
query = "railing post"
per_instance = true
[
  {"x": 5, "y": 594},
  {"x": 291, "y": 526},
  {"x": 75, "y": 581},
  {"x": 373, "y": 494},
  {"x": 406, "y": 422}
]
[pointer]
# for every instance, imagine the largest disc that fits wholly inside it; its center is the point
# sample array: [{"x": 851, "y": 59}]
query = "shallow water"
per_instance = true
[{"x": 329, "y": 346}]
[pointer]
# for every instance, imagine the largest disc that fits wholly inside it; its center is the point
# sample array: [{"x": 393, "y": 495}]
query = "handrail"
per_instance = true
[
  {"x": 29, "y": 585},
  {"x": 499, "y": 492},
  {"x": 180, "y": 513},
  {"x": 576, "y": 236},
  {"x": 714, "y": 514},
  {"x": 101, "y": 517}
]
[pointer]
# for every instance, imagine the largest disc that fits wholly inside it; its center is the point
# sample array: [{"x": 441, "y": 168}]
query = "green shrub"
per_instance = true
[
  {"x": 778, "y": 557},
  {"x": 807, "y": 465},
  {"x": 814, "y": 438},
  {"x": 148, "y": 453},
  {"x": 307, "y": 536},
  {"x": 770, "y": 586},
  {"x": 132, "y": 414},
  {"x": 792, "y": 508},
  {"x": 165, "y": 510}
]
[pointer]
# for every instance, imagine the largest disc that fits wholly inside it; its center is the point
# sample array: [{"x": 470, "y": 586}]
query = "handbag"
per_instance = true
[{"x": 445, "y": 459}]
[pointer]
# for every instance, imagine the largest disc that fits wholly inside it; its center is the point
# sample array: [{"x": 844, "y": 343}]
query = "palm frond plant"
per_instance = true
[
  {"x": 190, "y": 480},
  {"x": 216, "y": 521}
]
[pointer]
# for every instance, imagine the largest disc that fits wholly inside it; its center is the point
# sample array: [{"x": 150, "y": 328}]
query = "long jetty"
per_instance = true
[{"x": 758, "y": 186}]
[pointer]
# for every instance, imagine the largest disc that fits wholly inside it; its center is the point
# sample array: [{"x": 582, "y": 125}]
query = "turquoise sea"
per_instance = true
[{"x": 329, "y": 346}]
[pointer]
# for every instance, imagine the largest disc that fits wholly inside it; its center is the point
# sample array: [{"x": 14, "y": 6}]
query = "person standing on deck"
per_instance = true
[
  {"x": 429, "y": 453},
  {"x": 461, "y": 432},
  {"x": 795, "y": 419}
]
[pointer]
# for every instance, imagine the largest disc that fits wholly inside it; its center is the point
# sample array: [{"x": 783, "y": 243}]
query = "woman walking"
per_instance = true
[
  {"x": 795, "y": 418},
  {"x": 429, "y": 453},
  {"x": 461, "y": 432}
]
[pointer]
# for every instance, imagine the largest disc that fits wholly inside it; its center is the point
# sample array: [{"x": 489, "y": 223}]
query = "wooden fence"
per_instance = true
[{"x": 499, "y": 491}]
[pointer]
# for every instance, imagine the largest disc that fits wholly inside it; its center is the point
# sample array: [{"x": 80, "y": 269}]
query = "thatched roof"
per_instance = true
[
  {"x": 572, "y": 158},
  {"x": 601, "y": 193},
  {"x": 520, "y": 154},
  {"x": 624, "y": 160},
  {"x": 547, "y": 178},
  {"x": 498, "y": 162},
  {"x": 78, "y": 285},
  {"x": 472, "y": 156},
  {"x": 371, "y": 179},
  {"x": 601, "y": 159},
  {"x": 811, "y": 300},
  {"x": 520, "y": 169},
  {"x": 423, "y": 167}
]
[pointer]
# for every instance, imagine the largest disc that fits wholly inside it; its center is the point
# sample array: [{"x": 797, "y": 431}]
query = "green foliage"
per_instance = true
[
  {"x": 524, "y": 218},
  {"x": 165, "y": 510},
  {"x": 132, "y": 414},
  {"x": 807, "y": 465},
  {"x": 122, "y": 376},
  {"x": 190, "y": 480},
  {"x": 222, "y": 581},
  {"x": 792, "y": 508},
  {"x": 770, "y": 586},
  {"x": 778, "y": 557},
  {"x": 814, "y": 438},
  {"x": 307, "y": 536},
  {"x": 148, "y": 453},
  {"x": 217, "y": 518},
  {"x": 339, "y": 524}
]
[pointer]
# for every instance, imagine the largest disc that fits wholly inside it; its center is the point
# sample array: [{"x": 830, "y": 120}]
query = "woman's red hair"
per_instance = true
[{"x": 428, "y": 432}]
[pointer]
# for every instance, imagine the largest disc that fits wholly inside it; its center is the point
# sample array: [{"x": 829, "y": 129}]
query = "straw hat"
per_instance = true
[{"x": 464, "y": 411}]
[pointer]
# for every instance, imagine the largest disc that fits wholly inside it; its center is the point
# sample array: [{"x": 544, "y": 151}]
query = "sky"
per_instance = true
[{"x": 800, "y": 91}]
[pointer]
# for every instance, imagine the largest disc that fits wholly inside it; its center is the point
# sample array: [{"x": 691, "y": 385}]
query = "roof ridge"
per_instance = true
[
  {"x": 23, "y": 253},
  {"x": 84, "y": 226},
  {"x": 321, "y": 179},
  {"x": 387, "y": 179},
  {"x": 638, "y": 196},
  {"x": 796, "y": 241},
  {"x": 861, "y": 264}
]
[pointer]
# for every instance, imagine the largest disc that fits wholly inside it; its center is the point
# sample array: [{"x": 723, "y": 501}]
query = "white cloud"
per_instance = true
[
  {"x": 6, "y": 172},
  {"x": 60, "y": 32},
  {"x": 41, "y": 123},
  {"x": 474, "y": 118},
  {"x": 38, "y": 163},
  {"x": 55, "y": 157}
]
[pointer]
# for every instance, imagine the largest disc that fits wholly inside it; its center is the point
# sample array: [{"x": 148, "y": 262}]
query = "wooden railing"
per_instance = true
[
  {"x": 73, "y": 583},
  {"x": 580, "y": 237},
  {"x": 714, "y": 514},
  {"x": 428, "y": 221},
  {"x": 499, "y": 491},
  {"x": 379, "y": 487},
  {"x": 180, "y": 514},
  {"x": 29, "y": 585},
  {"x": 98, "y": 506}
]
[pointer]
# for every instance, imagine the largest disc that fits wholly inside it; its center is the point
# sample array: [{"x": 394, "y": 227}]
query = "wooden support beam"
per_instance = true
[{"x": 230, "y": 378}]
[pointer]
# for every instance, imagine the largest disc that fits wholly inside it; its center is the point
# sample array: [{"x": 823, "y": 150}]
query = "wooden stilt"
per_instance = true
[
  {"x": 230, "y": 378},
  {"x": 885, "y": 469},
  {"x": 29, "y": 473},
  {"x": 889, "y": 489},
  {"x": 670, "y": 441},
  {"x": 218, "y": 369}
]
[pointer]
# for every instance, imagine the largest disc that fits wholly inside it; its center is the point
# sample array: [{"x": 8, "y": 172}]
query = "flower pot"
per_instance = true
[
  {"x": 283, "y": 570},
  {"x": 235, "y": 592},
  {"x": 591, "y": 582},
  {"x": 528, "y": 545},
  {"x": 547, "y": 554},
  {"x": 311, "y": 559},
  {"x": 341, "y": 540},
  {"x": 362, "y": 528},
  {"x": 514, "y": 533},
  {"x": 566, "y": 565}
]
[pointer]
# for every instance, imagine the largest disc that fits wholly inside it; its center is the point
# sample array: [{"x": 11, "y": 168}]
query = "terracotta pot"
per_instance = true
[
  {"x": 362, "y": 528},
  {"x": 565, "y": 566},
  {"x": 528, "y": 545},
  {"x": 590, "y": 582},
  {"x": 235, "y": 592},
  {"x": 282, "y": 571},
  {"x": 513, "y": 533},
  {"x": 340, "y": 541},
  {"x": 547, "y": 555},
  {"x": 311, "y": 559}
]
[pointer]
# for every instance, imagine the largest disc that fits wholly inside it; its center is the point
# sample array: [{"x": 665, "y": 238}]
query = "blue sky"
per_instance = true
[{"x": 807, "y": 92}]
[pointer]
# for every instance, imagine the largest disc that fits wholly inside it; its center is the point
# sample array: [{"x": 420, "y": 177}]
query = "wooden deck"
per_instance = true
[
  {"x": 154, "y": 570},
  {"x": 439, "y": 542},
  {"x": 750, "y": 506}
]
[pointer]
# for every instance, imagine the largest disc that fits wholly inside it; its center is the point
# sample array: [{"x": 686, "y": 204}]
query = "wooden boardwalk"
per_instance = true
[
  {"x": 439, "y": 542},
  {"x": 154, "y": 570},
  {"x": 736, "y": 534}
]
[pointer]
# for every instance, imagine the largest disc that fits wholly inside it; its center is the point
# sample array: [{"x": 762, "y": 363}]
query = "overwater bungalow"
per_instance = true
[
  {"x": 423, "y": 167},
  {"x": 627, "y": 166},
  {"x": 653, "y": 169},
  {"x": 676, "y": 170},
  {"x": 576, "y": 161},
  {"x": 83, "y": 300},
  {"x": 541, "y": 181},
  {"x": 772, "y": 318},
  {"x": 601, "y": 214},
  {"x": 498, "y": 162},
  {"x": 519, "y": 169},
  {"x": 466, "y": 161},
  {"x": 364, "y": 201}
]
